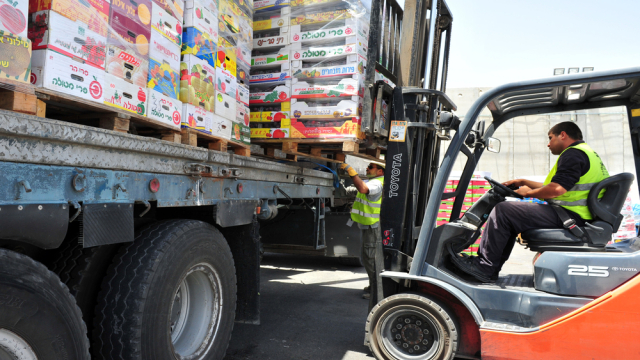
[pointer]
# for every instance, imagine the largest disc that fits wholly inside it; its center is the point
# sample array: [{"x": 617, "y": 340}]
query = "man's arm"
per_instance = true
[
  {"x": 549, "y": 191},
  {"x": 357, "y": 182},
  {"x": 524, "y": 182}
]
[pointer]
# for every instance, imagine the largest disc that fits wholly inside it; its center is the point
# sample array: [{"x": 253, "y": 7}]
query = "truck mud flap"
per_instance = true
[
  {"x": 235, "y": 212},
  {"x": 107, "y": 223},
  {"x": 42, "y": 225}
]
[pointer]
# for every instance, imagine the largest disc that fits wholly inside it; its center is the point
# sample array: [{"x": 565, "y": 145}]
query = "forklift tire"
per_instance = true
[
  {"x": 171, "y": 294},
  {"x": 411, "y": 326},
  {"x": 39, "y": 319}
]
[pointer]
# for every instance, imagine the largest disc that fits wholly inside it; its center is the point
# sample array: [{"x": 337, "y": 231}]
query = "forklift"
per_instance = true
[{"x": 581, "y": 291}]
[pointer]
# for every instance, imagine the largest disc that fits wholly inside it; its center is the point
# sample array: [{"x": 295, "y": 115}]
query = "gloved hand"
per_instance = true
[{"x": 346, "y": 167}]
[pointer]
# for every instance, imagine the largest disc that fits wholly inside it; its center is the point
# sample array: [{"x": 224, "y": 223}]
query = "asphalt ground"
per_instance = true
[{"x": 312, "y": 308}]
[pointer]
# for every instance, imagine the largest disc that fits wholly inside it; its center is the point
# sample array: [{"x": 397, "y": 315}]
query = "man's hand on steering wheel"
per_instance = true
[
  {"x": 501, "y": 188},
  {"x": 523, "y": 190},
  {"x": 516, "y": 182}
]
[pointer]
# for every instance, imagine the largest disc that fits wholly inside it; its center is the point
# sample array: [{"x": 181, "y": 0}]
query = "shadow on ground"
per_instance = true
[{"x": 311, "y": 308}]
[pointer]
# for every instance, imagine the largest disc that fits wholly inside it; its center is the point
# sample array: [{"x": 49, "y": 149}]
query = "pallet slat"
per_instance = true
[{"x": 314, "y": 149}]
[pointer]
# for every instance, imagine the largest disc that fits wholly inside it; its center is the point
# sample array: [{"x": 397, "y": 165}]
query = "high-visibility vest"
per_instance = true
[
  {"x": 575, "y": 199},
  {"x": 367, "y": 212}
]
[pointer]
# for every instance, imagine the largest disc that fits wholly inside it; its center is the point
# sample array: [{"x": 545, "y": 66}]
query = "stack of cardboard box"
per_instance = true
[{"x": 15, "y": 47}]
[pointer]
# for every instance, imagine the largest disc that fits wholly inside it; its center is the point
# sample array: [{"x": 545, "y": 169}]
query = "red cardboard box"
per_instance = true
[
  {"x": 129, "y": 34},
  {"x": 138, "y": 11}
]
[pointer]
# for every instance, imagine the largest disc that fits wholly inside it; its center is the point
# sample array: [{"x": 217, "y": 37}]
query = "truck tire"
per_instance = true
[
  {"x": 171, "y": 294},
  {"x": 82, "y": 270},
  {"x": 39, "y": 318},
  {"x": 411, "y": 326}
]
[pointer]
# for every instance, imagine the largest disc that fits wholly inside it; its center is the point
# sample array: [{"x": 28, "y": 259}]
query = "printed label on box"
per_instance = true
[
  {"x": 127, "y": 66},
  {"x": 55, "y": 71},
  {"x": 329, "y": 71},
  {"x": 270, "y": 77},
  {"x": 197, "y": 82},
  {"x": 269, "y": 116},
  {"x": 125, "y": 96},
  {"x": 329, "y": 33},
  {"x": 15, "y": 57},
  {"x": 269, "y": 5},
  {"x": 344, "y": 109},
  {"x": 202, "y": 19},
  {"x": 175, "y": 8},
  {"x": 221, "y": 127},
  {"x": 304, "y": 129},
  {"x": 71, "y": 38},
  {"x": 278, "y": 40},
  {"x": 138, "y": 11},
  {"x": 345, "y": 87},
  {"x": 242, "y": 113},
  {"x": 163, "y": 79},
  {"x": 226, "y": 59},
  {"x": 321, "y": 17},
  {"x": 165, "y": 109},
  {"x": 167, "y": 25},
  {"x": 272, "y": 23},
  {"x": 270, "y": 133},
  {"x": 282, "y": 57},
  {"x": 243, "y": 95},
  {"x": 240, "y": 133},
  {"x": 318, "y": 52},
  {"x": 225, "y": 106}
]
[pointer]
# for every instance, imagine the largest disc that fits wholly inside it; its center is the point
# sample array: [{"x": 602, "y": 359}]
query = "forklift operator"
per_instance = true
[
  {"x": 366, "y": 212},
  {"x": 566, "y": 189}
]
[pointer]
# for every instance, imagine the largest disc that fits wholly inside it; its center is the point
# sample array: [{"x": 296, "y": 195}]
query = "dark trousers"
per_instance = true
[{"x": 506, "y": 221}]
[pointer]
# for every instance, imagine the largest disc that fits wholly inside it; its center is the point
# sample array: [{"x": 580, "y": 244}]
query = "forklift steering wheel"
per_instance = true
[{"x": 503, "y": 189}]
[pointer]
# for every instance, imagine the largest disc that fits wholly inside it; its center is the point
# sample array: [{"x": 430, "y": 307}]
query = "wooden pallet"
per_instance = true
[
  {"x": 58, "y": 106},
  {"x": 314, "y": 149}
]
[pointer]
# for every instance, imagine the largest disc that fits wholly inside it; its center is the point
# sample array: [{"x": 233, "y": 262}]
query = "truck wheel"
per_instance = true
[
  {"x": 82, "y": 270},
  {"x": 39, "y": 318},
  {"x": 171, "y": 294},
  {"x": 411, "y": 326}
]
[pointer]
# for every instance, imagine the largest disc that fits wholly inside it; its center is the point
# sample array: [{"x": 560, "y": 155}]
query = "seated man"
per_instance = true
[{"x": 567, "y": 185}]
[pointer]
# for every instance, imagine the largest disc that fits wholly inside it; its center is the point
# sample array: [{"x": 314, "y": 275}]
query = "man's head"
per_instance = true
[
  {"x": 375, "y": 170},
  {"x": 562, "y": 135}
]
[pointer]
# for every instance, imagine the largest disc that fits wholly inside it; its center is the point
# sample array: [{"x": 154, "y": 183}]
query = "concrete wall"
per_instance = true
[{"x": 524, "y": 152}]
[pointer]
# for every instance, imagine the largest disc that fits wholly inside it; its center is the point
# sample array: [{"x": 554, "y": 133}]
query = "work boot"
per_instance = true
[
  {"x": 468, "y": 265},
  {"x": 366, "y": 289},
  {"x": 366, "y": 296}
]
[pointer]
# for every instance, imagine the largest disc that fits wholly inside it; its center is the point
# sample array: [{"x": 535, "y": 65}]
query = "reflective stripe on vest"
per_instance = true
[
  {"x": 367, "y": 212},
  {"x": 575, "y": 199}
]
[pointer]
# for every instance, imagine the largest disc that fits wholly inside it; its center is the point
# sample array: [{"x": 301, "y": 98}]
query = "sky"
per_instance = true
[{"x": 500, "y": 41}]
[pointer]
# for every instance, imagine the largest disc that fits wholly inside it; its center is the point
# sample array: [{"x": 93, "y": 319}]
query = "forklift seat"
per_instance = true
[{"x": 607, "y": 219}]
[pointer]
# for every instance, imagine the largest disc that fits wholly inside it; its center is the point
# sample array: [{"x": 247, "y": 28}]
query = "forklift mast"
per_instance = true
[{"x": 411, "y": 119}]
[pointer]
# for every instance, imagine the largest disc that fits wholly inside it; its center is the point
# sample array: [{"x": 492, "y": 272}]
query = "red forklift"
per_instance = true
[{"x": 581, "y": 289}]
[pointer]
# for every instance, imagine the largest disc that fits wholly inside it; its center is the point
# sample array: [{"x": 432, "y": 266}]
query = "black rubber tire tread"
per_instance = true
[
  {"x": 436, "y": 309},
  {"x": 127, "y": 325},
  {"x": 82, "y": 270},
  {"x": 354, "y": 261},
  {"x": 37, "y": 306}
]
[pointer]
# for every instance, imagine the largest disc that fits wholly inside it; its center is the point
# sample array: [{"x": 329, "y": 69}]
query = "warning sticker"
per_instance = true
[
  {"x": 398, "y": 131},
  {"x": 635, "y": 112}
]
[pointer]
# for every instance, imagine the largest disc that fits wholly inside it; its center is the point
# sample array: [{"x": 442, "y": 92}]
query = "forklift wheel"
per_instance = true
[{"x": 411, "y": 326}]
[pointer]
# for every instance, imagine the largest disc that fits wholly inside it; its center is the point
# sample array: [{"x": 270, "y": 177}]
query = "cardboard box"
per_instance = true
[
  {"x": 310, "y": 129},
  {"x": 239, "y": 8},
  {"x": 243, "y": 95},
  {"x": 269, "y": 5},
  {"x": 344, "y": 109},
  {"x": 129, "y": 34},
  {"x": 242, "y": 75},
  {"x": 195, "y": 42},
  {"x": 280, "y": 57},
  {"x": 276, "y": 95},
  {"x": 243, "y": 56},
  {"x": 167, "y": 25},
  {"x": 163, "y": 50},
  {"x": 210, "y": 5},
  {"x": 127, "y": 65},
  {"x": 276, "y": 77},
  {"x": 225, "y": 106},
  {"x": 175, "y": 8},
  {"x": 51, "y": 70},
  {"x": 243, "y": 113},
  {"x": 221, "y": 127},
  {"x": 347, "y": 87},
  {"x": 197, "y": 118},
  {"x": 272, "y": 20},
  {"x": 226, "y": 59},
  {"x": 197, "y": 82},
  {"x": 94, "y": 13},
  {"x": 124, "y": 95},
  {"x": 238, "y": 28},
  {"x": 321, "y": 16},
  {"x": 352, "y": 45},
  {"x": 165, "y": 109},
  {"x": 201, "y": 18},
  {"x": 226, "y": 83},
  {"x": 258, "y": 115},
  {"x": 13, "y": 18},
  {"x": 240, "y": 133},
  {"x": 379, "y": 77},
  {"x": 164, "y": 79},
  {"x": 270, "y": 133},
  {"x": 138, "y": 11},
  {"x": 15, "y": 57},
  {"x": 278, "y": 38},
  {"x": 50, "y": 30},
  {"x": 330, "y": 32}
]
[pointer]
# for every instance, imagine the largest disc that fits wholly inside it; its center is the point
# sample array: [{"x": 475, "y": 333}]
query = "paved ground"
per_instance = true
[{"x": 312, "y": 309}]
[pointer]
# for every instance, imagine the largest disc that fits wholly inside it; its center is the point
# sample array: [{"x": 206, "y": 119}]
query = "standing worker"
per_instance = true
[{"x": 366, "y": 212}]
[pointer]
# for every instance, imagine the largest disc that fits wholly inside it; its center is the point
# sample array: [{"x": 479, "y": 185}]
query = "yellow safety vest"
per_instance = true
[
  {"x": 575, "y": 199},
  {"x": 367, "y": 212}
]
